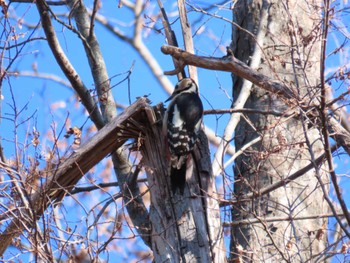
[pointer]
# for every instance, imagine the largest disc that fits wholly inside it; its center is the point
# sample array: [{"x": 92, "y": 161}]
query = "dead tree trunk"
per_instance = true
[
  {"x": 185, "y": 228},
  {"x": 288, "y": 49}
]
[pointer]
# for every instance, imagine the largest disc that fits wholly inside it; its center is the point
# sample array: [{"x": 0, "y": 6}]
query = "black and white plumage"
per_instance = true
[{"x": 181, "y": 124}]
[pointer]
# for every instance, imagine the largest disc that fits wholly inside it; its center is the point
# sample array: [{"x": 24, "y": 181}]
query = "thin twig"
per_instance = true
[
  {"x": 251, "y": 111},
  {"x": 66, "y": 66},
  {"x": 23, "y": 42},
  {"x": 171, "y": 39},
  {"x": 230, "y": 64},
  {"x": 54, "y": 3},
  {"x": 324, "y": 118},
  {"x": 277, "y": 219},
  {"x": 241, "y": 151},
  {"x": 282, "y": 182},
  {"x": 99, "y": 186},
  {"x": 41, "y": 75}
]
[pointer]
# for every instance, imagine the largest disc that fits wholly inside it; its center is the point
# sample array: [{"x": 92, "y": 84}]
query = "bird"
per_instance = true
[{"x": 181, "y": 125}]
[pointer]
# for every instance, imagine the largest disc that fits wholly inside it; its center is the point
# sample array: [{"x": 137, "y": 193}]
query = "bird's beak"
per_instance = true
[{"x": 172, "y": 95}]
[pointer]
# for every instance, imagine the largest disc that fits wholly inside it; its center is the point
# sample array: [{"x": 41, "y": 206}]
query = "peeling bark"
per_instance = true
[{"x": 185, "y": 228}]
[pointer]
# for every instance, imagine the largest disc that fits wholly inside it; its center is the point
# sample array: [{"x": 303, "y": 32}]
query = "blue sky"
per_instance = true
[{"x": 50, "y": 102}]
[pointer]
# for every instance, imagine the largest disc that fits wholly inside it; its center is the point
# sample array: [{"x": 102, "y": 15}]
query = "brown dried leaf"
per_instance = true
[
  {"x": 75, "y": 130},
  {"x": 36, "y": 135},
  {"x": 290, "y": 243},
  {"x": 119, "y": 223},
  {"x": 17, "y": 242},
  {"x": 344, "y": 248},
  {"x": 321, "y": 232},
  {"x": 4, "y": 8},
  {"x": 239, "y": 250},
  {"x": 35, "y": 142},
  {"x": 77, "y": 141}
]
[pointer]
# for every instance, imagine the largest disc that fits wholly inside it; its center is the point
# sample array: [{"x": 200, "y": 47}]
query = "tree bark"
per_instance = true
[
  {"x": 187, "y": 227},
  {"x": 290, "y": 53}
]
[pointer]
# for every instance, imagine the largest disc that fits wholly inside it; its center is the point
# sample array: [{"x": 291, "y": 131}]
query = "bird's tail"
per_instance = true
[{"x": 178, "y": 177}]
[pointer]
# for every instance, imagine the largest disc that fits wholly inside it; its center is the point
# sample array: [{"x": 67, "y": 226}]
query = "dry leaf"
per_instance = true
[
  {"x": 240, "y": 251},
  {"x": 36, "y": 135},
  {"x": 35, "y": 142},
  {"x": 290, "y": 243},
  {"x": 321, "y": 232},
  {"x": 4, "y": 8},
  {"x": 344, "y": 248}
]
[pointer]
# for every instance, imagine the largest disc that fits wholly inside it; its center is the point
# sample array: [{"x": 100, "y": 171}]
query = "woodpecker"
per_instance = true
[{"x": 181, "y": 125}]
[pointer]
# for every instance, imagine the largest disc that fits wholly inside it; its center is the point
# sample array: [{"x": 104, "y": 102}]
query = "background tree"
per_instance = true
[
  {"x": 286, "y": 44},
  {"x": 280, "y": 197}
]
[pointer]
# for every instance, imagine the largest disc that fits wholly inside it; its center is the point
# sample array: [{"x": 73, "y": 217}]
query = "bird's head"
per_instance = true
[{"x": 185, "y": 85}]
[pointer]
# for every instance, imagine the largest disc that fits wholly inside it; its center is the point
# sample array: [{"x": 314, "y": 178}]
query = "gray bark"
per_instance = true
[
  {"x": 291, "y": 54},
  {"x": 185, "y": 228}
]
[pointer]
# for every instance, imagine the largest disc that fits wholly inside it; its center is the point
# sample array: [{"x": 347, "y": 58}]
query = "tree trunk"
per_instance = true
[
  {"x": 187, "y": 227},
  {"x": 289, "y": 36}
]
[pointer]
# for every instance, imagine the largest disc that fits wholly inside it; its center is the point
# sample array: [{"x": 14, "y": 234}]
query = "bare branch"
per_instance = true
[
  {"x": 66, "y": 66},
  {"x": 138, "y": 8},
  {"x": 123, "y": 168},
  {"x": 144, "y": 52},
  {"x": 42, "y": 75},
  {"x": 278, "y": 219},
  {"x": 319, "y": 161},
  {"x": 246, "y": 110},
  {"x": 23, "y": 42},
  {"x": 240, "y": 151},
  {"x": 187, "y": 36},
  {"x": 64, "y": 177},
  {"x": 53, "y": 3},
  {"x": 171, "y": 39},
  {"x": 96, "y": 60},
  {"x": 77, "y": 190},
  {"x": 324, "y": 119},
  {"x": 93, "y": 15},
  {"x": 231, "y": 64}
]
